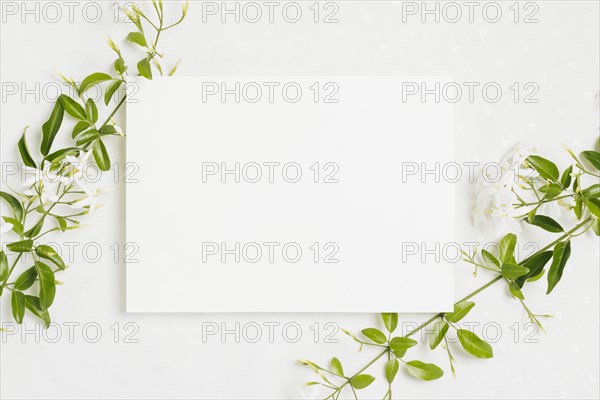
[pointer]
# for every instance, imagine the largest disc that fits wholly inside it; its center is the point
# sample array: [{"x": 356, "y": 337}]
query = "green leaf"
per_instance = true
[
  {"x": 336, "y": 366},
  {"x": 596, "y": 226},
  {"x": 62, "y": 153},
  {"x": 390, "y": 320},
  {"x": 489, "y": 258},
  {"x": 137, "y": 38},
  {"x": 593, "y": 192},
  {"x": 513, "y": 271},
  {"x": 507, "y": 248},
  {"x": 474, "y": 345},
  {"x": 515, "y": 290},
  {"x": 562, "y": 252},
  {"x": 546, "y": 223},
  {"x": 47, "y": 252},
  {"x": 26, "y": 279},
  {"x": 400, "y": 344},
  {"x": 375, "y": 335},
  {"x": 551, "y": 190},
  {"x": 80, "y": 127},
  {"x": 578, "y": 209},
  {"x": 22, "y": 246},
  {"x": 144, "y": 68},
  {"x": 440, "y": 330},
  {"x": 92, "y": 111},
  {"x": 33, "y": 304},
  {"x": 120, "y": 66},
  {"x": 362, "y": 381},
  {"x": 72, "y": 107},
  {"x": 17, "y": 226},
  {"x": 93, "y": 80},
  {"x": 37, "y": 228},
  {"x": 25, "y": 153},
  {"x": 565, "y": 180},
  {"x": 51, "y": 128},
  {"x": 426, "y": 372},
  {"x": 101, "y": 155},
  {"x": 536, "y": 265},
  {"x": 109, "y": 130},
  {"x": 3, "y": 266},
  {"x": 546, "y": 168},
  {"x": 47, "y": 284},
  {"x": 593, "y": 205},
  {"x": 391, "y": 369},
  {"x": 110, "y": 91},
  {"x": 88, "y": 137},
  {"x": 460, "y": 311},
  {"x": 15, "y": 205},
  {"x": 17, "y": 302},
  {"x": 593, "y": 157}
]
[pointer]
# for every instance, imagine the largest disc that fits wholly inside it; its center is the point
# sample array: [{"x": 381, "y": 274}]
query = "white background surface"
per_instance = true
[{"x": 560, "y": 53}]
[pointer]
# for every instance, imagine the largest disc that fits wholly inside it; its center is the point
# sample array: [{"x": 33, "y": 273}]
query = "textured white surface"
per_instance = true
[{"x": 171, "y": 359}]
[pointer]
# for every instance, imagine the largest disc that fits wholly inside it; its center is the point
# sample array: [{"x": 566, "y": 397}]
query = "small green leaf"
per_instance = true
[
  {"x": 37, "y": 228},
  {"x": 80, "y": 127},
  {"x": 47, "y": 284},
  {"x": 426, "y": 372},
  {"x": 375, "y": 335},
  {"x": 72, "y": 107},
  {"x": 490, "y": 259},
  {"x": 593, "y": 157},
  {"x": 51, "y": 128},
  {"x": 390, "y": 321},
  {"x": 15, "y": 205},
  {"x": 507, "y": 248},
  {"x": 565, "y": 180},
  {"x": 513, "y": 271},
  {"x": 578, "y": 209},
  {"x": 23, "y": 246},
  {"x": 546, "y": 168},
  {"x": 120, "y": 66},
  {"x": 362, "y": 381},
  {"x": 144, "y": 68},
  {"x": 561, "y": 254},
  {"x": 474, "y": 345},
  {"x": 93, "y": 80},
  {"x": 110, "y": 91},
  {"x": 546, "y": 223},
  {"x": 17, "y": 302},
  {"x": 460, "y": 311},
  {"x": 26, "y": 279},
  {"x": 25, "y": 153},
  {"x": 391, "y": 369},
  {"x": 400, "y": 344},
  {"x": 62, "y": 153},
  {"x": 336, "y": 366},
  {"x": 33, "y": 304},
  {"x": 87, "y": 137},
  {"x": 137, "y": 38},
  {"x": 47, "y": 252},
  {"x": 3, "y": 266},
  {"x": 515, "y": 290},
  {"x": 593, "y": 205},
  {"x": 440, "y": 330},
  {"x": 593, "y": 192},
  {"x": 551, "y": 190},
  {"x": 101, "y": 155},
  {"x": 535, "y": 264},
  {"x": 92, "y": 111}
]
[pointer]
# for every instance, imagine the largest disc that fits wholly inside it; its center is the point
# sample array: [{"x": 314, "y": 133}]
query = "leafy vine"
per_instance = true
[
  {"x": 530, "y": 183},
  {"x": 56, "y": 193}
]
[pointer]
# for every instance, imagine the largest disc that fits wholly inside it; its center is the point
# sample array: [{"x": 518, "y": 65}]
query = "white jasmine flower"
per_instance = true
[
  {"x": 43, "y": 182},
  {"x": 76, "y": 174}
]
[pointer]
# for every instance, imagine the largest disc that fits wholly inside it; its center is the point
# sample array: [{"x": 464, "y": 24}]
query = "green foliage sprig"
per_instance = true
[
  {"x": 58, "y": 185},
  {"x": 546, "y": 185}
]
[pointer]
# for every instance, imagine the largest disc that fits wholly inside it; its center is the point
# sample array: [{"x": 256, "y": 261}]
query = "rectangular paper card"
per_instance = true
[{"x": 288, "y": 194}]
